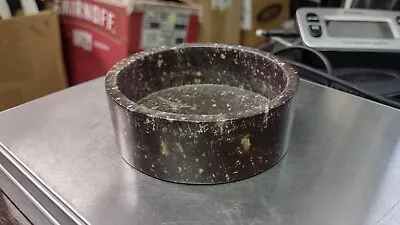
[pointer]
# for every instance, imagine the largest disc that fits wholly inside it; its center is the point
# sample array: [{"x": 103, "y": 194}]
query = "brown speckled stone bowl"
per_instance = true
[{"x": 241, "y": 141}]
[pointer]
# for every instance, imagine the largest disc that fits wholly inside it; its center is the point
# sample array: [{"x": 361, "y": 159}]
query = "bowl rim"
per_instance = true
[{"x": 113, "y": 91}]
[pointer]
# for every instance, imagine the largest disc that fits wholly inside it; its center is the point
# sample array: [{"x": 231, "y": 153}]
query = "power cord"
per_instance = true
[
  {"x": 325, "y": 60},
  {"x": 328, "y": 75},
  {"x": 364, "y": 93}
]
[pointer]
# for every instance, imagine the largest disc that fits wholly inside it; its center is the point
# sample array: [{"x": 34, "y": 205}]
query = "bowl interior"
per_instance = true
[{"x": 201, "y": 65}]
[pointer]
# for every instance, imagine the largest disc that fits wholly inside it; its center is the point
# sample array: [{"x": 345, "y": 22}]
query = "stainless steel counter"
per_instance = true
[{"x": 343, "y": 167}]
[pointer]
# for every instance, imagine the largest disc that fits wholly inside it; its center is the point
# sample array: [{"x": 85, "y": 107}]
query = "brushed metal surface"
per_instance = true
[
  {"x": 40, "y": 204},
  {"x": 342, "y": 167}
]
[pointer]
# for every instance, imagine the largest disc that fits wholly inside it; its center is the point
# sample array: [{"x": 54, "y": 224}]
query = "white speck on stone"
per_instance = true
[
  {"x": 223, "y": 56},
  {"x": 204, "y": 154},
  {"x": 235, "y": 172},
  {"x": 197, "y": 159},
  {"x": 200, "y": 170},
  {"x": 179, "y": 169},
  {"x": 265, "y": 120},
  {"x": 159, "y": 63},
  {"x": 152, "y": 165}
]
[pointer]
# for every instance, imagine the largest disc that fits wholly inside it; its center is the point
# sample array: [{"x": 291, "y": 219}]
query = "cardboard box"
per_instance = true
[
  {"x": 30, "y": 58},
  {"x": 220, "y": 21},
  {"x": 261, "y": 14},
  {"x": 97, "y": 34}
]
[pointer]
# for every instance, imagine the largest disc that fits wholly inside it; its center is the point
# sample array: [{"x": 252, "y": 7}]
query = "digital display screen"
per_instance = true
[{"x": 358, "y": 29}]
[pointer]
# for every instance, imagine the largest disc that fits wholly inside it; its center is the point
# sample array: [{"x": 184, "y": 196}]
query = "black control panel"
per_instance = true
[
  {"x": 312, "y": 17},
  {"x": 315, "y": 28}
]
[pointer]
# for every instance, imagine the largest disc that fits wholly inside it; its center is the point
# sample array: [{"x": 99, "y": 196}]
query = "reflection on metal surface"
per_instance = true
[
  {"x": 339, "y": 169},
  {"x": 9, "y": 214}
]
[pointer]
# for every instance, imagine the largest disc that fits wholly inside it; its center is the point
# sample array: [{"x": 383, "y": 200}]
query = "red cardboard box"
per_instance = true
[{"x": 97, "y": 34}]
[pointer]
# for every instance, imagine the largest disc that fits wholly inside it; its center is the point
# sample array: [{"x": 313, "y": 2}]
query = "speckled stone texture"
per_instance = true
[{"x": 172, "y": 140}]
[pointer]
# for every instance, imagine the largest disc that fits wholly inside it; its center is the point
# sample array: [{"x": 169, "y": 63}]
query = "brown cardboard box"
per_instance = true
[
  {"x": 30, "y": 58},
  {"x": 261, "y": 14},
  {"x": 220, "y": 21}
]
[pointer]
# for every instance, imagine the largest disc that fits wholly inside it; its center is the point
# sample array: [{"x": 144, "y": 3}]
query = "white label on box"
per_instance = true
[
  {"x": 220, "y": 4},
  {"x": 246, "y": 18},
  {"x": 83, "y": 39},
  {"x": 101, "y": 45},
  {"x": 163, "y": 27}
]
